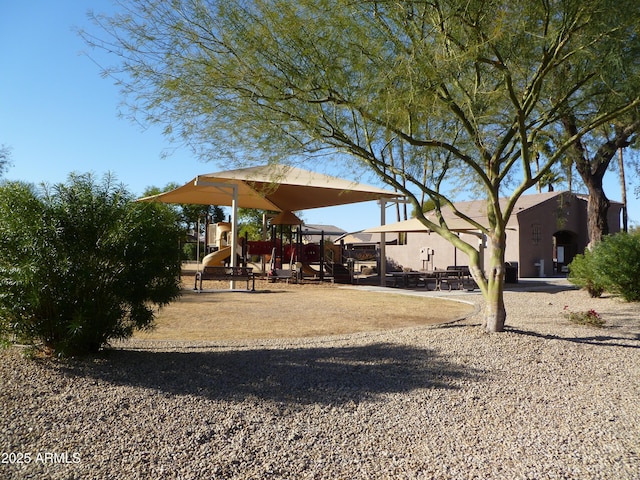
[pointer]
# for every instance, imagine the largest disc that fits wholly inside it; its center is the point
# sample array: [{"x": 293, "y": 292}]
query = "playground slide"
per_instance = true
[
  {"x": 309, "y": 270},
  {"x": 216, "y": 259}
]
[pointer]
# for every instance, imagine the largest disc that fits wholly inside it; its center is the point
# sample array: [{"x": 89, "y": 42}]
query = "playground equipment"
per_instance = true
[
  {"x": 320, "y": 261},
  {"x": 218, "y": 235},
  {"x": 215, "y": 265},
  {"x": 218, "y": 242},
  {"x": 284, "y": 257},
  {"x": 276, "y": 273},
  {"x": 271, "y": 188},
  {"x": 217, "y": 258}
]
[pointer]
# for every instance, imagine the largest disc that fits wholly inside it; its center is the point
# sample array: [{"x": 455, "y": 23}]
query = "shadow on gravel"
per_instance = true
[
  {"x": 600, "y": 340},
  {"x": 303, "y": 376}
]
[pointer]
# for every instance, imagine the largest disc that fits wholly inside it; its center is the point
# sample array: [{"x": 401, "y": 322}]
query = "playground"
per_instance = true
[
  {"x": 287, "y": 284},
  {"x": 286, "y": 255},
  {"x": 279, "y": 191}
]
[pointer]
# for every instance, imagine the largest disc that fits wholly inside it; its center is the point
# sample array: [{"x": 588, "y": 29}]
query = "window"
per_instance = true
[{"x": 536, "y": 233}]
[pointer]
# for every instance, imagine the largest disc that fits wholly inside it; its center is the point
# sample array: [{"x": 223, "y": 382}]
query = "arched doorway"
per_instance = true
[{"x": 565, "y": 247}]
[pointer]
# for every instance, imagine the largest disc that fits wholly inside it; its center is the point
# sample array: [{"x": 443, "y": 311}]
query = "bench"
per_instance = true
[{"x": 225, "y": 273}]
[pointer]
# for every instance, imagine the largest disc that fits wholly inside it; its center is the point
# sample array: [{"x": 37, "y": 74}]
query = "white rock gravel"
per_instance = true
[{"x": 545, "y": 400}]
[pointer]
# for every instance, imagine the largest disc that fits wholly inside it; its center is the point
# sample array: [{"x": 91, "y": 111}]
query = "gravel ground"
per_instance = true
[{"x": 545, "y": 400}]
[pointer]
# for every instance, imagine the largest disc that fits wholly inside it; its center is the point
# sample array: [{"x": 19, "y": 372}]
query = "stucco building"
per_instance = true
[{"x": 544, "y": 233}]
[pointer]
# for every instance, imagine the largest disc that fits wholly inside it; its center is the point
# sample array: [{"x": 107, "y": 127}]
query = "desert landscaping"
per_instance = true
[
  {"x": 337, "y": 241},
  {"x": 546, "y": 399}
]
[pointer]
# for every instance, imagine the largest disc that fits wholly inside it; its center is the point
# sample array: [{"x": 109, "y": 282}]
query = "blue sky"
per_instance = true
[{"x": 59, "y": 115}]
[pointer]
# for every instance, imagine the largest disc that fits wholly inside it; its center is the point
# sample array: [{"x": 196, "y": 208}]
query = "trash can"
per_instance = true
[{"x": 511, "y": 272}]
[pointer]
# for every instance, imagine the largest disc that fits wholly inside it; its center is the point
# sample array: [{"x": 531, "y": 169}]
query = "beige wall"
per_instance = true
[
  {"x": 529, "y": 240},
  {"x": 410, "y": 256}
]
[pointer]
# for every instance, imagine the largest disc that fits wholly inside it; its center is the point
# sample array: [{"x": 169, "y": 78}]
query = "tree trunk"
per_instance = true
[
  {"x": 592, "y": 172},
  {"x": 495, "y": 314},
  {"x": 597, "y": 211}
]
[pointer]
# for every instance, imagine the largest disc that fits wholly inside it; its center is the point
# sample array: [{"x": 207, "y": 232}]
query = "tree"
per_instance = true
[
  {"x": 250, "y": 223},
  {"x": 81, "y": 264},
  {"x": 616, "y": 84},
  {"x": 592, "y": 160},
  {"x": 464, "y": 90},
  {"x": 189, "y": 213},
  {"x": 5, "y": 159}
]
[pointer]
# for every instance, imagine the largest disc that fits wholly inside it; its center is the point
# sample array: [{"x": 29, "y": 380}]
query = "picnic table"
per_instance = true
[{"x": 453, "y": 277}]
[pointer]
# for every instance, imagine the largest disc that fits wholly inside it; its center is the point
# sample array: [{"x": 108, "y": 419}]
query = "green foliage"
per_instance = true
[
  {"x": 582, "y": 273},
  {"x": 81, "y": 264},
  {"x": 612, "y": 265},
  {"x": 617, "y": 263},
  {"x": 250, "y": 223},
  {"x": 190, "y": 251}
]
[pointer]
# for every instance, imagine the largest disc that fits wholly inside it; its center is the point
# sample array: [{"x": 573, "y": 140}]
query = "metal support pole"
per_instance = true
[
  {"x": 234, "y": 232},
  {"x": 383, "y": 243},
  {"x": 322, "y": 259},
  {"x": 234, "y": 218},
  {"x": 198, "y": 243}
]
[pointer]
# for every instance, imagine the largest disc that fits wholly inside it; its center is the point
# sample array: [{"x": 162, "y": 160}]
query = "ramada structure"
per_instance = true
[{"x": 544, "y": 234}]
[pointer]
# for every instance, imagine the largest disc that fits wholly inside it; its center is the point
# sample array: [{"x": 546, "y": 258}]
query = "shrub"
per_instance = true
[
  {"x": 617, "y": 265},
  {"x": 612, "y": 265},
  {"x": 583, "y": 274},
  {"x": 80, "y": 263},
  {"x": 190, "y": 251}
]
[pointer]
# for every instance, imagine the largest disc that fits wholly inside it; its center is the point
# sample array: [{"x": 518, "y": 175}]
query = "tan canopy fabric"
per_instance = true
[
  {"x": 415, "y": 225},
  {"x": 286, "y": 218},
  {"x": 275, "y": 187},
  {"x": 476, "y": 210},
  {"x": 278, "y": 188}
]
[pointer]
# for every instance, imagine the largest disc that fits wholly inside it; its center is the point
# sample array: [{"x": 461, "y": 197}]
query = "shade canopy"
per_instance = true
[
  {"x": 286, "y": 218},
  {"x": 273, "y": 187},
  {"x": 415, "y": 225},
  {"x": 475, "y": 210}
]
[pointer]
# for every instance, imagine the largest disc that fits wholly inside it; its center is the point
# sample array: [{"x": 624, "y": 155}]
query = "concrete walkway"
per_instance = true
[{"x": 524, "y": 285}]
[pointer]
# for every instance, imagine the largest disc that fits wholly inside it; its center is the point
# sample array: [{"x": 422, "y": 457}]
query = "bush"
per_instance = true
[
  {"x": 582, "y": 273},
  {"x": 190, "y": 251},
  {"x": 617, "y": 264},
  {"x": 81, "y": 263},
  {"x": 612, "y": 265}
]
